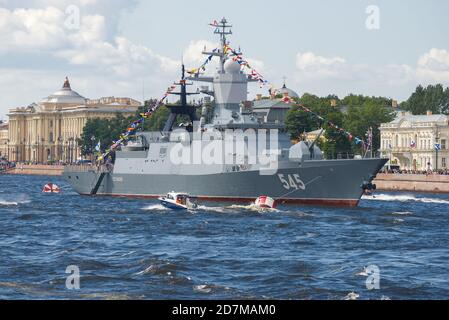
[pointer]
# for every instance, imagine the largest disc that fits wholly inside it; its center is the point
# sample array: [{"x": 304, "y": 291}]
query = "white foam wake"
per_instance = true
[
  {"x": 8, "y": 203},
  {"x": 232, "y": 208},
  {"x": 212, "y": 209},
  {"x": 404, "y": 198},
  {"x": 155, "y": 207},
  {"x": 14, "y": 202},
  {"x": 253, "y": 207}
]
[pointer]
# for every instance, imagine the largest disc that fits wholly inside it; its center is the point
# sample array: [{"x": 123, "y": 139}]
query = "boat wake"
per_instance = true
[
  {"x": 155, "y": 207},
  {"x": 404, "y": 198},
  {"x": 13, "y": 202},
  {"x": 254, "y": 208},
  {"x": 234, "y": 208},
  {"x": 8, "y": 203},
  {"x": 224, "y": 209}
]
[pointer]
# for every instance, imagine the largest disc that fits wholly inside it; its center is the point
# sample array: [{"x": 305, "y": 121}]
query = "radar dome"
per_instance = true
[{"x": 232, "y": 66}]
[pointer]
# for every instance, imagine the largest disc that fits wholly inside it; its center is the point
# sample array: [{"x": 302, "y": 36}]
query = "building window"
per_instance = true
[
  {"x": 443, "y": 144},
  {"x": 443, "y": 162},
  {"x": 51, "y": 123}
]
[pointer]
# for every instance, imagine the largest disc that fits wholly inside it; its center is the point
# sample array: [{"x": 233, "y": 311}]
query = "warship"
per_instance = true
[{"x": 201, "y": 157}]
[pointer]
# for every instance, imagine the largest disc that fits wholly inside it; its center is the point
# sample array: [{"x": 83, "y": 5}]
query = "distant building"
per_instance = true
[
  {"x": 4, "y": 140},
  {"x": 411, "y": 141},
  {"x": 286, "y": 91},
  {"x": 48, "y": 131},
  {"x": 313, "y": 135},
  {"x": 394, "y": 104},
  {"x": 274, "y": 110},
  {"x": 271, "y": 111}
]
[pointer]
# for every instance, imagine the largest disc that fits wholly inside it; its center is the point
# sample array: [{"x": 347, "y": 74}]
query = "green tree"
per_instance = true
[
  {"x": 363, "y": 112},
  {"x": 432, "y": 98},
  {"x": 298, "y": 121},
  {"x": 335, "y": 141},
  {"x": 103, "y": 130},
  {"x": 371, "y": 114}
]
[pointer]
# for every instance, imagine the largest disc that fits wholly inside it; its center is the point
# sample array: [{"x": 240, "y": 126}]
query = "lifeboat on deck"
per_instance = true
[
  {"x": 265, "y": 202},
  {"x": 51, "y": 188}
]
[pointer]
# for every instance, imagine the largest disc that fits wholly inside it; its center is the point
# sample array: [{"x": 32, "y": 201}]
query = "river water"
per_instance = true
[{"x": 136, "y": 249}]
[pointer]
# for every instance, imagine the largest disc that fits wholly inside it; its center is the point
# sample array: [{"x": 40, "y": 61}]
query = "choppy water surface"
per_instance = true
[{"x": 136, "y": 249}]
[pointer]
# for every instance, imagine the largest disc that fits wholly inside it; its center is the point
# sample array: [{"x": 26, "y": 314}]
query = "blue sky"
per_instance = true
[{"x": 133, "y": 48}]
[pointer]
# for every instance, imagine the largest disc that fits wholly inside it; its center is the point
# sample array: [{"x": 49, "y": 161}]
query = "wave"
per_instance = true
[
  {"x": 404, "y": 198},
  {"x": 233, "y": 208},
  {"x": 109, "y": 296},
  {"x": 352, "y": 296},
  {"x": 14, "y": 200},
  {"x": 8, "y": 203},
  {"x": 253, "y": 207},
  {"x": 405, "y": 213},
  {"x": 212, "y": 209},
  {"x": 155, "y": 207},
  {"x": 209, "y": 288}
]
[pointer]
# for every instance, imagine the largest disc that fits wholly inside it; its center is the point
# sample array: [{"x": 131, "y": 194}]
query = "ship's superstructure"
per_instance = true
[{"x": 233, "y": 157}]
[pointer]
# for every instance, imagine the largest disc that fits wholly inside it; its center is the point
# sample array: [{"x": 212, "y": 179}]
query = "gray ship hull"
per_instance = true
[{"x": 326, "y": 182}]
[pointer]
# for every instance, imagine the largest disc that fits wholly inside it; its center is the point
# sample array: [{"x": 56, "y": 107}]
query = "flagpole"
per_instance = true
[{"x": 436, "y": 149}]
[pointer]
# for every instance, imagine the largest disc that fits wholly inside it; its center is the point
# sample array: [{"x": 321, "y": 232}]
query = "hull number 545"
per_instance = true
[{"x": 292, "y": 181}]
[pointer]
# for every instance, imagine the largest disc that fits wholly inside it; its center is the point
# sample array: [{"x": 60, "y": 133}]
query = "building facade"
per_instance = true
[
  {"x": 416, "y": 142},
  {"x": 48, "y": 131},
  {"x": 274, "y": 110},
  {"x": 4, "y": 140}
]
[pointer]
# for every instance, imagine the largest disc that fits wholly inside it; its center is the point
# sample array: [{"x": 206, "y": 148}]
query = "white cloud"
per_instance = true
[
  {"x": 193, "y": 53},
  {"x": 98, "y": 64},
  {"x": 324, "y": 75},
  {"x": 434, "y": 66},
  {"x": 24, "y": 29},
  {"x": 316, "y": 66},
  {"x": 43, "y": 30}
]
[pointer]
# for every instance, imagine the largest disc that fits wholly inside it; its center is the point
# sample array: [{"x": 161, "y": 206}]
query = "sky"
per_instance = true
[{"x": 134, "y": 48}]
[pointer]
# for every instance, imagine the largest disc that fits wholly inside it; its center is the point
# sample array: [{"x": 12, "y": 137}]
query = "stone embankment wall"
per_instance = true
[
  {"x": 413, "y": 182},
  {"x": 38, "y": 170}
]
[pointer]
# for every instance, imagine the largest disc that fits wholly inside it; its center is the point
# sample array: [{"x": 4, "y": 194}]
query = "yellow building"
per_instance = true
[
  {"x": 411, "y": 141},
  {"x": 48, "y": 131},
  {"x": 313, "y": 135},
  {"x": 4, "y": 140}
]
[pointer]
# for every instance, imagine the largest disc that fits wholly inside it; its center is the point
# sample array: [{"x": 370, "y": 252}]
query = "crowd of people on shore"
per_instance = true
[
  {"x": 442, "y": 172},
  {"x": 6, "y": 165}
]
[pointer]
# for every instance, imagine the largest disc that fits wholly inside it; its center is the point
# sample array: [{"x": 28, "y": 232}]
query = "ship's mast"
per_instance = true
[
  {"x": 222, "y": 30},
  {"x": 230, "y": 83},
  {"x": 183, "y": 108}
]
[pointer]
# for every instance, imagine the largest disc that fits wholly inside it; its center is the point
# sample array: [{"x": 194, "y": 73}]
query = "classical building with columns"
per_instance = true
[
  {"x": 4, "y": 140},
  {"x": 48, "y": 131},
  {"x": 410, "y": 141}
]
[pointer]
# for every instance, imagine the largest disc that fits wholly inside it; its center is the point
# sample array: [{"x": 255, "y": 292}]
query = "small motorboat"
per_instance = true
[
  {"x": 265, "y": 202},
  {"x": 51, "y": 188},
  {"x": 178, "y": 201}
]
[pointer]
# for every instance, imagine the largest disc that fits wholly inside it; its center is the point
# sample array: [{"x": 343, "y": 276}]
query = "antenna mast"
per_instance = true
[{"x": 222, "y": 30}]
